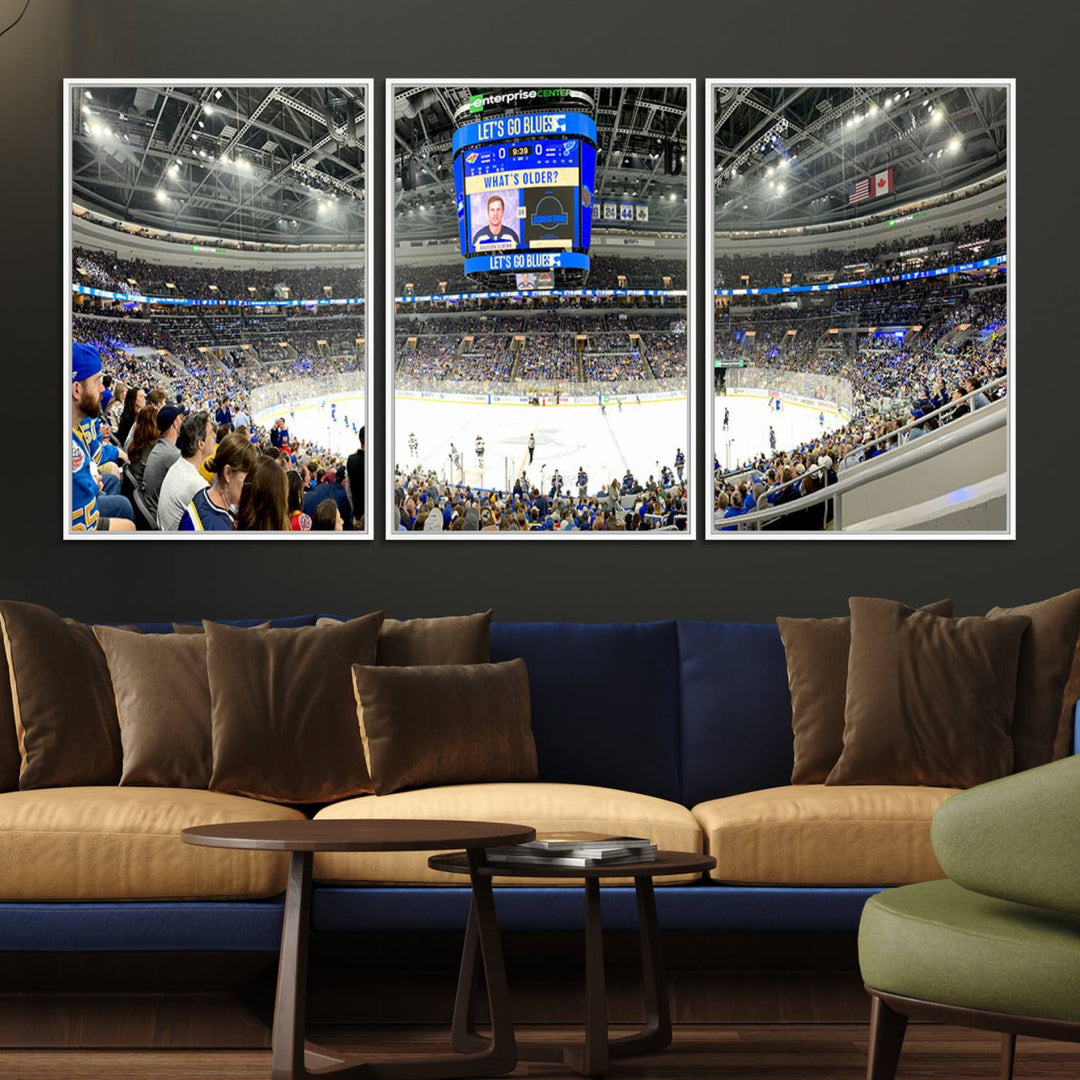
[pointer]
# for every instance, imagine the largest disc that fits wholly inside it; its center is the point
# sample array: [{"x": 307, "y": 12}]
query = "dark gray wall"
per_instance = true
[{"x": 559, "y": 581}]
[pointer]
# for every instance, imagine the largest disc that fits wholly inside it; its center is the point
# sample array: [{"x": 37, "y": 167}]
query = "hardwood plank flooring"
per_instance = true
[{"x": 699, "y": 1052}]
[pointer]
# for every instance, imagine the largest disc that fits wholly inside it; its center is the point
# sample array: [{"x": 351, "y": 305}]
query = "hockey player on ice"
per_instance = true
[
  {"x": 479, "y": 451},
  {"x": 680, "y": 463},
  {"x": 532, "y": 446},
  {"x": 582, "y": 482},
  {"x": 414, "y": 446},
  {"x": 772, "y": 438}
]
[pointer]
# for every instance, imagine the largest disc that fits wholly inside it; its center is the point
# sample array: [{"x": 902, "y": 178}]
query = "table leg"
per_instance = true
[
  {"x": 592, "y": 1059},
  {"x": 293, "y": 1059},
  {"x": 463, "y": 1034},
  {"x": 290, "y": 1012},
  {"x": 657, "y": 1031}
]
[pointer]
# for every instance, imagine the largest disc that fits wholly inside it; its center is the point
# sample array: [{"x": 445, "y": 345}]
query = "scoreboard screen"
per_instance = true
[{"x": 524, "y": 187}]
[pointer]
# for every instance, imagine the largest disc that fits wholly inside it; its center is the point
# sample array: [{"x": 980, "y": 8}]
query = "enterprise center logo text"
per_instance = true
[{"x": 478, "y": 102}]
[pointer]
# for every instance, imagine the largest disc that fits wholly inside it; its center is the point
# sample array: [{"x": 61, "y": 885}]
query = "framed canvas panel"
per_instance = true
[
  {"x": 539, "y": 335},
  {"x": 860, "y": 378},
  {"x": 216, "y": 286}
]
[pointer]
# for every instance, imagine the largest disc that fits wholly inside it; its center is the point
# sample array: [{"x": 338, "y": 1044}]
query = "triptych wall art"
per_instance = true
[{"x": 553, "y": 310}]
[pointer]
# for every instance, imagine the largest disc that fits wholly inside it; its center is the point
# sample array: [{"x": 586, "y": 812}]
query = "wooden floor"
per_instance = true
[{"x": 725, "y": 1052}]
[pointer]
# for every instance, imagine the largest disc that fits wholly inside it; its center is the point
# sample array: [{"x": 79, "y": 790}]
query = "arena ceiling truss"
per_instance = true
[
  {"x": 790, "y": 155},
  {"x": 277, "y": 164}
]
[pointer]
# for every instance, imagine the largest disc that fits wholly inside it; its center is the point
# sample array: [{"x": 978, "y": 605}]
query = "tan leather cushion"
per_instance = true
[
  {"x": 113, "y": 843},
  {"x": 810, "y": 834},
  {"x": 546, "y": 807}
]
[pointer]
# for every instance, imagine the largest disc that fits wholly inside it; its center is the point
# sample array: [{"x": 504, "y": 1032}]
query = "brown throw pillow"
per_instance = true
[
  {"x": 455, "y": 639},
  {"x": 445, "y": 724},
  {"x": 62, "y": 698},
  {"x": 1046, "y": 656},
  {"x": 283, "y": 713},
  {"x": 817, "y": 662},
  {"x": 197, "y": 628},
  {"x": 1064, "y": 740},
  {"x": 929, "y": 699},
  {"x": 163, "y": 703},
  {"x": 9, "y": 740}
]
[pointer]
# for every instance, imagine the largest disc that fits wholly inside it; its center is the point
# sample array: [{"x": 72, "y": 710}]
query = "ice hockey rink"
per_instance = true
[
  {"x": 567, "y": 437},
  {"x": 749, "y": 419},
  {"x": 325, "y": 421}
]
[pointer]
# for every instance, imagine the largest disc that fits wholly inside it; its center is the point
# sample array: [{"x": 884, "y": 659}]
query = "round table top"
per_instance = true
[
  {"x": 375, "y": 834},
  {"x": 666, "y": 862}
]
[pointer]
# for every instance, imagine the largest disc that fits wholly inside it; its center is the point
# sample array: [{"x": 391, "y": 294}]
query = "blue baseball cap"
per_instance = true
[{"x": 85, "y": 362}]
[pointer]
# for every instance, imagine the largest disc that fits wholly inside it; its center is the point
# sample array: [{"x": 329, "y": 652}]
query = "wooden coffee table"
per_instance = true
[
  {"x": 591, "y": 1058},
  {"x": 291, "y": 1057}
]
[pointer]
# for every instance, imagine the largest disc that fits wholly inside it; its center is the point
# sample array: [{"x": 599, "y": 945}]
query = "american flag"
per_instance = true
[{"x": 860, "y": 191}]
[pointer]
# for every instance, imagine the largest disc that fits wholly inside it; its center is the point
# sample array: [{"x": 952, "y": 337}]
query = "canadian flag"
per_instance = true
[{"x": 882, "y": 184}]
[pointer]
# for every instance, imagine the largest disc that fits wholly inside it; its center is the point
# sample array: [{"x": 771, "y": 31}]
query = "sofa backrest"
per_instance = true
[
  {"x": 735, "y": 709},
  {"x": 605, "y": 701}
]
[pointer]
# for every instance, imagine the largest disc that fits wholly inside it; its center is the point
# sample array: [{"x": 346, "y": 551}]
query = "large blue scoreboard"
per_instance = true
[{"x": 524, "y": 186}]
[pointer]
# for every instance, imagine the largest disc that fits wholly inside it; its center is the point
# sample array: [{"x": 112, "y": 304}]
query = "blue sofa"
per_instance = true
[{"x": 685, "y": 712}]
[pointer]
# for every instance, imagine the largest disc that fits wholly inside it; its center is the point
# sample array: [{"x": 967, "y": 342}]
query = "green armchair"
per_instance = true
[{"x": 997, "y": 944}]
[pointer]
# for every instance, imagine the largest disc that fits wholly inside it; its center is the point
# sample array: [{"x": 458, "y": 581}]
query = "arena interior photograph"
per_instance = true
[
  {"x": 542, "y": 336},
  {"x": 861, "y": 301},
  {"x": 217, "y": 291}
]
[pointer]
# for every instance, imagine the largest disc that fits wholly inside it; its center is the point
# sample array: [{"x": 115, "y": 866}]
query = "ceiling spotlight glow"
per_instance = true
[
  {"x": 217, "y": 95},
  {"x": 954, "y": 144},
  {"x": 161, "y": 196},
  {"x": 88, "y": 95},
  {"x": 937, "y": 116},
  {"x": 781, "y": 188},
  {"x": 208, "y": 110}
]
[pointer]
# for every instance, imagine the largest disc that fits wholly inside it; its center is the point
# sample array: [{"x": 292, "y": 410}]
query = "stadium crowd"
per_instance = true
[
  {"x": 425, "y": 505},
  {"x": 105, "y": 270},
  {"x": 144, "y": 460},
  {"x": 950, "y": 245},
  {"x": 906, "y": 393}
]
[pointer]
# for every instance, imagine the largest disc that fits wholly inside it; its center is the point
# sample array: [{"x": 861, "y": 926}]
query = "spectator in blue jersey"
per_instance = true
[
  {"x": 223, "y": 414},
  {"x": 213, "y": 509},
  {"x": 90, "y": 511},
  {"x": 495, "y": 232}
]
